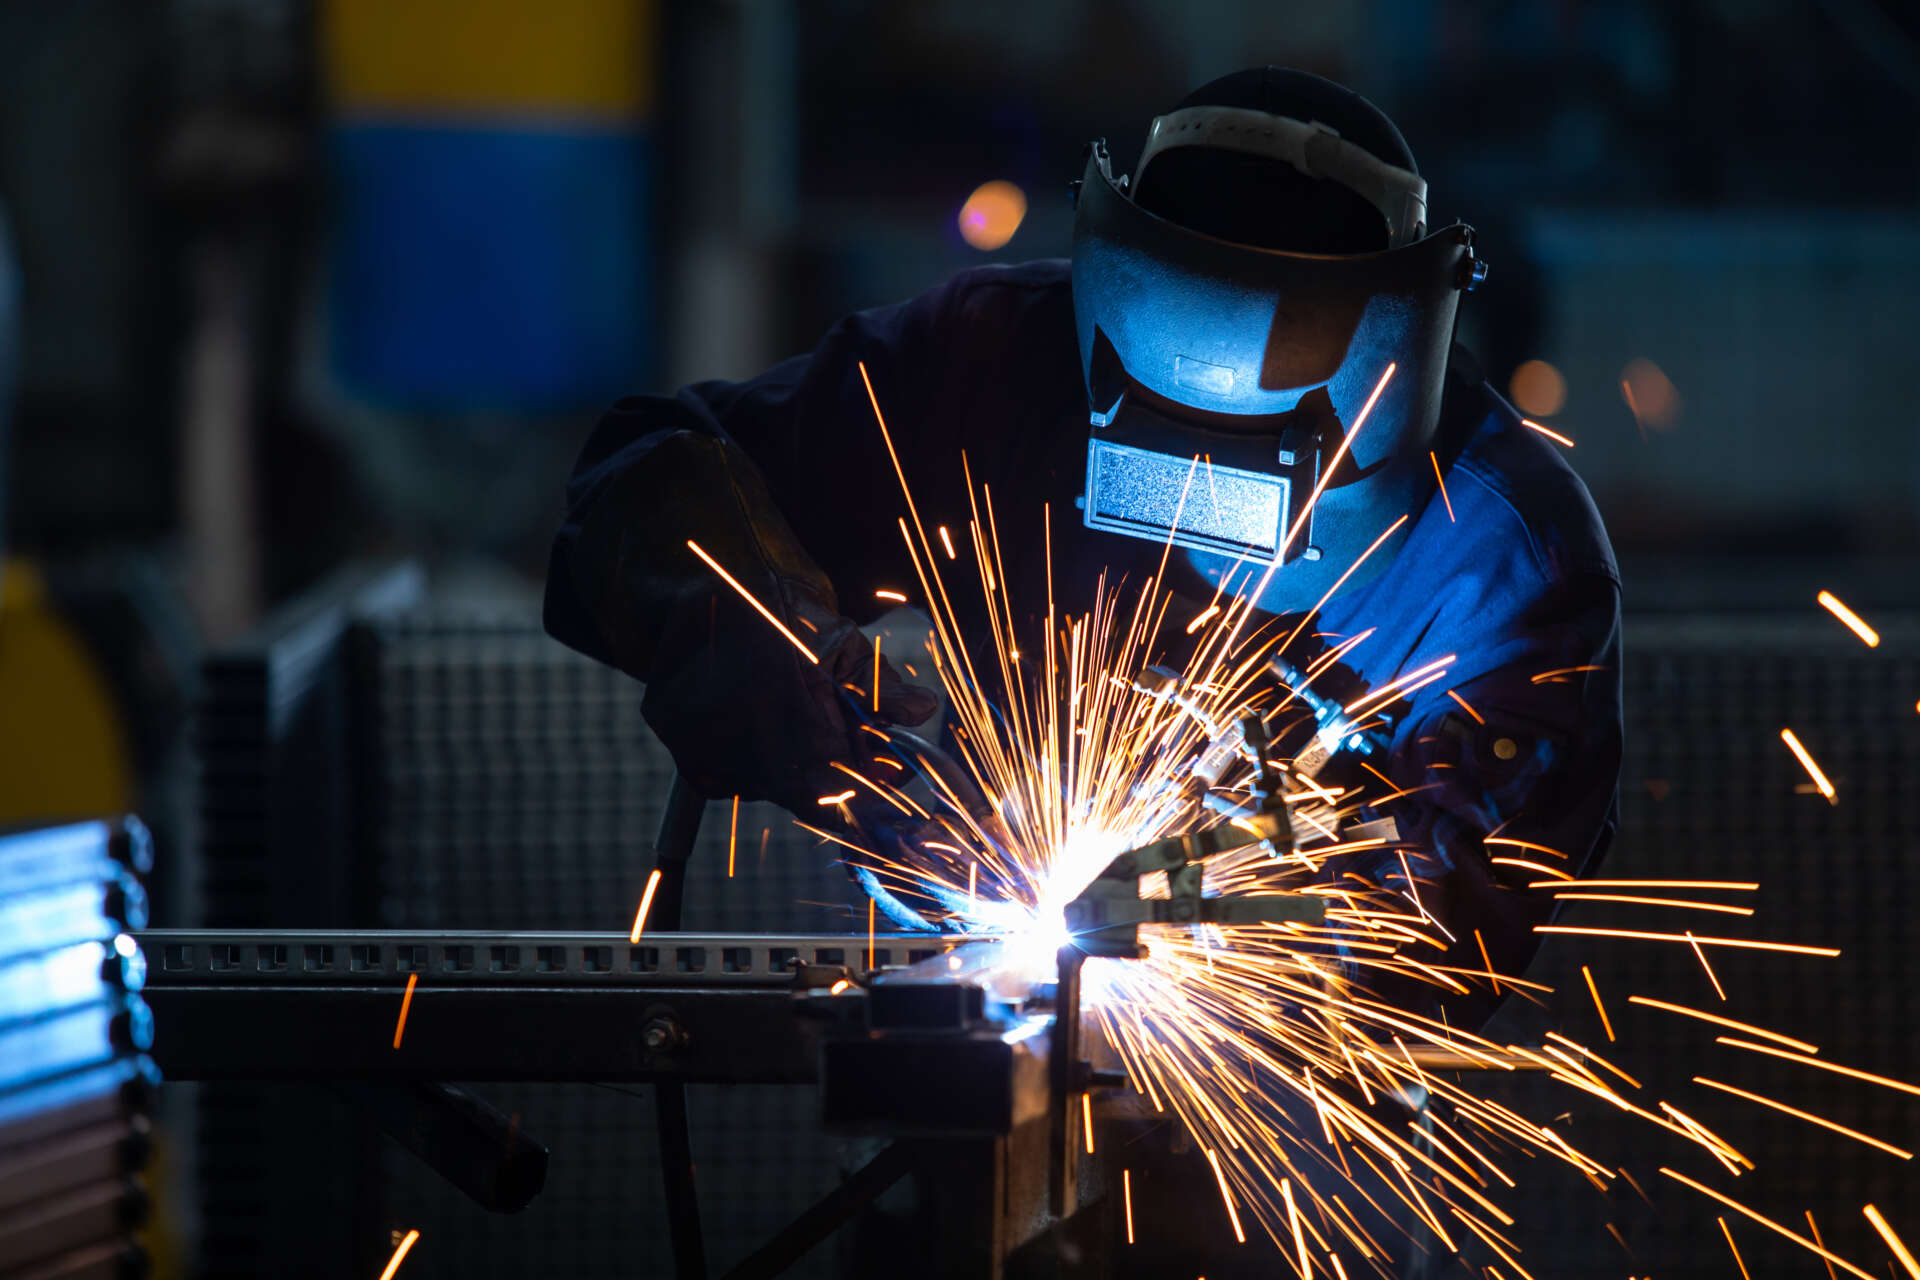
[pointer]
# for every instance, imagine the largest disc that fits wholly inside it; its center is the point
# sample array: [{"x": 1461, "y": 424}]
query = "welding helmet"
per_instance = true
[{"x": 1235, "y": 327}]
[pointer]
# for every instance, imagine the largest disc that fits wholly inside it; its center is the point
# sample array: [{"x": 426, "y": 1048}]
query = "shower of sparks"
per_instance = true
[
  {"x": 646, "y": 902},
  {"x": 399, "y": 1255},
  {"x": 1856, "y": 624},
  {"x": 1893, "y": 1241},
  {"x": 1265, "y": 1043},
  {"x": 406, "y": 1003},
  {"x": 1806, "y": 762}
]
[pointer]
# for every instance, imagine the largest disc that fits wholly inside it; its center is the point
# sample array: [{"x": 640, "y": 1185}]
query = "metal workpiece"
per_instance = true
[
  {"x": 982, "y": 1082},
  {"x": 700, "y": 1008},
  {"x": 380, "y": 958},
  {"x": 956, "y": 1045},
  {"x": 1105, "y": 918}
]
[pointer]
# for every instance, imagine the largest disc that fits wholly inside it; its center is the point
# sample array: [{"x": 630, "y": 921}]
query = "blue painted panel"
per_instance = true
[{"x": 490, "y": 268}]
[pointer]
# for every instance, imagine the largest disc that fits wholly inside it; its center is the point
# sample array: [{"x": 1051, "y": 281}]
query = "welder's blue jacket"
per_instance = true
[{"x": 1512, "y": 760}]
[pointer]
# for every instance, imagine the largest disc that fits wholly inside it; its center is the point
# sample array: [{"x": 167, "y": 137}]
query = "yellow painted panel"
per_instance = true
[
  {"x": 63, "y": 753},
  {"x": 491, "y": 58}
]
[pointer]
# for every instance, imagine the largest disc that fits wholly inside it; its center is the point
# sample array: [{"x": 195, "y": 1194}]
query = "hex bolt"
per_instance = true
[{"x": 663, "y": 1034}]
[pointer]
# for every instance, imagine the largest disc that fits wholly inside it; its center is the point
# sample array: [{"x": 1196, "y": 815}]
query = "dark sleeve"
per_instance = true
[
  {"x": 1531, "y": 762},
  {"x": 783, "y": 481},
  {"x": 795, "y": 450}
]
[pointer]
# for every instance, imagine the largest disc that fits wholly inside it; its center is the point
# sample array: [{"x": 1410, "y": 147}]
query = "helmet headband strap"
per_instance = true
[{"x": 1312, "y": 148}]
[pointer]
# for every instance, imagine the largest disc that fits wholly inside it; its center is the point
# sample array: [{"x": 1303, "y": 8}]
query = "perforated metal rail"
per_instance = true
[{"x": 186, "y": 957}]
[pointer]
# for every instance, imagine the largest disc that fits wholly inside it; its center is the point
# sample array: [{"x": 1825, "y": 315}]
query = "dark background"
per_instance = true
[{"x": 288, "y": 286}]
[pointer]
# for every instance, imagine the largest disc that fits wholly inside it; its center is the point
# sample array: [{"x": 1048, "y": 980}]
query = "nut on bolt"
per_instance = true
[{"x": 663, "y": 1034}]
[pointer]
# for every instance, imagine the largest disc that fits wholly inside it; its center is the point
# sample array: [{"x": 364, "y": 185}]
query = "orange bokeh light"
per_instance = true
[
  {"x": 1537, "y": 389},
  {"x": 1650, "y": 394},
  {"x": 992, "y": 214}
]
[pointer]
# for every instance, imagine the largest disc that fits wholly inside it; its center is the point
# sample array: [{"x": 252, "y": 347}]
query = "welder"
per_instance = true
[{"x": 1267, "y": 271}]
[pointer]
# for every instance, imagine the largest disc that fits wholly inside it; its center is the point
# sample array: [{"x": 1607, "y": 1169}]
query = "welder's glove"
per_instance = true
[{"x": 743, "y": 711}]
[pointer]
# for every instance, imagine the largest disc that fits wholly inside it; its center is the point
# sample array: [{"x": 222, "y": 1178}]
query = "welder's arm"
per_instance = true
[
  {"x": 1543, "y": 770},
  {"x": 737, "y": 468}
]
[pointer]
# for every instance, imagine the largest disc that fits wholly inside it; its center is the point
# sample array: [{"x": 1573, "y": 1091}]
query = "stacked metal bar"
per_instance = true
[{"x": 75, "y": 1079}]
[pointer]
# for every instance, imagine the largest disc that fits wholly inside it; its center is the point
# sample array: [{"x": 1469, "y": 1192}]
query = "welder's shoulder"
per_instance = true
[
  {"x": 1520, "y": 484},
  {"x": 1023, "y": 301}
]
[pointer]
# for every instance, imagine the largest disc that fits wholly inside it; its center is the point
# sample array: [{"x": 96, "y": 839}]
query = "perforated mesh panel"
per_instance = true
[
  {"x": 1709, "y": 791},
  {"x": 512, "y": 784}
]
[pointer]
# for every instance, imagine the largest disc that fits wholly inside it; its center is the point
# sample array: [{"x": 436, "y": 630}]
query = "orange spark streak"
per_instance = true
[
  {"x": 1549, "y": 433},
  {"x": 1654, "y": 902},
  {"x": 1855, "y": 623},
  {"x": 840, "y": 797},
  {"x": 1893, "y": 1241},
  {"x": 1747, "y": 943},
  {"x": 1488, "y": 960},
  {"x": 747, "y": 595},
  {"x": 1767, "y": 1222},
  {"x": 1086, "y": 1112},
  {"x": 947, "y": 541},
  {"x": 894, "y": 596},
  {"x": 1346, "y": 443},
  {"x": 1226, "y": 1196},
  {"x": 1815, "y": 1228},
  {"x": 646, "y": 901},
  {"x": 1701, "y": 956},
  {"x": 1605, "y": 1021},
  {"x": 871, "y": 965},
  {"x": 1808, "y": 1116},
  {"x": 1478, "y": 718},
  {"x": 1385, "y": 692},
  {"x": 406, "y": 1002},
  {"x": 1836, "y": 1068},
  {"x": 1725, "y": 1022},
  {"x": 1293, "y": 1220},
  {"x": 1806, "y": 762},
  {"x": 1524, "y": 844},
  {"x": 733, "y": 836},
  {"x": 1643, "y": 884},
  {"x": 1557, "y": 672},
  {"x": 1443, "y": 485},
  {"x": 1731, "y": 1245},
  {"x": 399, "y": 1255},
  {"x": 1200, "y": 620},
  {"x": 876, "y": 674},
  {"x": 1126, "y": 1195},
  {"x": 1534, "y": 866}
]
